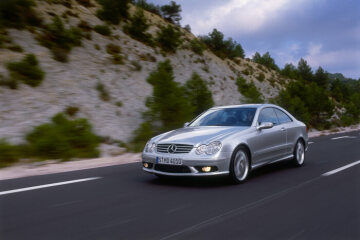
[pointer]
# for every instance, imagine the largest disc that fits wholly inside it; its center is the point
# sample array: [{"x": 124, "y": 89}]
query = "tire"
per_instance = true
[
  {"x": 239, "y": 165},
  {"x": 299, "y": 154}
]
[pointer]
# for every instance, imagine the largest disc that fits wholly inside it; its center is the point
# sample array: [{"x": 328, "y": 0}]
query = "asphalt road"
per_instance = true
[{"x": 122, "y": 202}]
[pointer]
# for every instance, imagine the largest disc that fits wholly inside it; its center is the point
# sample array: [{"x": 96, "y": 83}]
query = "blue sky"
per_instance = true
[{"x": 324, "y": 32}]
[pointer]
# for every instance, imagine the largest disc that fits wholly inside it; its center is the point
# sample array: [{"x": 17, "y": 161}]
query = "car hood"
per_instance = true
[{"x": 198, "y": 135}]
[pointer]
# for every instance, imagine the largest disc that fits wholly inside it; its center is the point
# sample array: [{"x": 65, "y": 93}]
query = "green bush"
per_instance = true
[
  {"x": 85, "y": 3},
  {"x": 199, "y": 95},
  {"x": 18, "y": 14},
  {"x": 265, "y": 60},
  {"x": 15, "y": 48},
  {"x": 26, "y": 70},
  {"x": 84, "y": 26},
  {"x": 197, "y": 47},
  {"x": 150, "y": 7},
  {"x": 117, "y": 59},
  {"x": 222, "y": 48},
  {"x": 103, "y": 30},
  {"x": 9, "y": 153},
  {"x": 261, "y": 77},
  {"x": 59, "y": 39},
  {"x": 168, "y": 108},
  {"x": 168, "y": 39},
  {"x": 113, "y": 49},
  {"x": 137, "y": 66},
  {"x": 104, "y": 94},
  {"x": 71, "y": 111},
  {"x": 308, "y": 102},
  {"x": 9, "y": 82},
  {"x": 63, "y": 139},
  {"x": 171, "y": 12},
  {"x": 249, "y": 91},
  {"x": 113, "y": 11},
  {"x": 137, "y": 27}
]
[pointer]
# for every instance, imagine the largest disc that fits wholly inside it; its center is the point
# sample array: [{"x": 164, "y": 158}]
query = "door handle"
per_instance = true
[{"x": 283, "y": 129}]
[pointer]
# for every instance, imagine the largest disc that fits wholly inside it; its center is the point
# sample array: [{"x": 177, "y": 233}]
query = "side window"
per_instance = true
[
  {"x": 283, "y": 117},
  {"x": 268, "y": 115}
]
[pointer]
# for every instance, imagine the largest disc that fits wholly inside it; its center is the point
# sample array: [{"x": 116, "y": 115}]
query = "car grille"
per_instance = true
[
  {"x": 180, "y": 148},
  {"x": 172, "y": 168}
]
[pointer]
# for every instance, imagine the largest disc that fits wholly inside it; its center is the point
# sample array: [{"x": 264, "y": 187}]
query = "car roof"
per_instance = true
[{"x": 246, "y": 105}]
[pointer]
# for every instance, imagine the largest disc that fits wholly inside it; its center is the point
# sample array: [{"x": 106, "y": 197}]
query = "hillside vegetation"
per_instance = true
[{"x": 129, "y": 70}]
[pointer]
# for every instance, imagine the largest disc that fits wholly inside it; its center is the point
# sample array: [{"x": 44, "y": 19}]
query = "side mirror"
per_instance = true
[
  {"x": 265, "y": 125},
  {"x": 186, "y": 124}
]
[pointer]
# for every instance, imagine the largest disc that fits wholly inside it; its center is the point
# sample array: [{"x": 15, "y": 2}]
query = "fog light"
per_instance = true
[
  {"x": 146, "y": 165},
  {"x": 206, "y": 169}
]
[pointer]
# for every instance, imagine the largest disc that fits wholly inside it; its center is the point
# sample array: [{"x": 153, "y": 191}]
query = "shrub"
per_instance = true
[
  {"x": 71, "y": 111},
  {"x": 18, "y": 14},
  {"x": 265, "y": 60},
  {"x": 199, "y": 95},
  {"x": 197, "y": 47},
  {"x": 168, "y": 38},
  {"x": 119, "y": 103},
  {"x": 85, "y": 3},
  {"x": 113, "y": 49},
  {"x": 308, "y": 102},
  {"x": 249, "y": 90},
  {"x": 168, "y": 108},
  {"x": 223, "y": 48},
  {"x": 15, "y": 48},
  {"x": 117, "y": 59},
  {"x": 103, "y": 30},
  {"x": 26, "y": 70},
  {"x": 63, "y": 139},
  {"x": 59, "y": 39},
  {"x": 9, "y": 153},
  {"x": 171, "y": 12},
  {"x": 9, "y": 82},
  {"x": 84, "y": 26},
  {"x": 150, "y": 7},
  {"x": 104, "y": 94},
  {"x": 113, "y": 10},
  {"x": 261, "y": 77},
  {"x": 97, "y": 46},
  {"x": 136, "y": 65},
  {"x": 137, "y": 27}
]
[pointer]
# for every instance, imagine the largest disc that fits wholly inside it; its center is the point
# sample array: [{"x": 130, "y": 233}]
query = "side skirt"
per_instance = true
[{"x": 274, "y": 161}]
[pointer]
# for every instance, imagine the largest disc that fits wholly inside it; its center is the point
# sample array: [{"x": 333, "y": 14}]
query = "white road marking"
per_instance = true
[
  {"x": 335, "y": 138},
  {"x": 340, "y": 169},
  {"x": 47, "y": 185}
]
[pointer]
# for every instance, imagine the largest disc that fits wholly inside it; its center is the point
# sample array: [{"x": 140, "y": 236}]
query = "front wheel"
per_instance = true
[
  {"x": 239, "y": 166},
  {"x": 299, "y": 154}
]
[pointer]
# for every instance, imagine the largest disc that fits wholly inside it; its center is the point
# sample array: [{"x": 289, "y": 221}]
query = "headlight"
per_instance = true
[
  {"x": 209, "y": 149},
  {"x": 150, "y": 147}
]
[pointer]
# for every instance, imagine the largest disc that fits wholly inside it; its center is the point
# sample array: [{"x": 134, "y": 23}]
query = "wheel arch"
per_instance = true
[{"x": 246, "y": 147}]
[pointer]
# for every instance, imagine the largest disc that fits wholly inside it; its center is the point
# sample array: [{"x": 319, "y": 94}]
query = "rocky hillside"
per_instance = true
[{"x": 90, "y": 71}]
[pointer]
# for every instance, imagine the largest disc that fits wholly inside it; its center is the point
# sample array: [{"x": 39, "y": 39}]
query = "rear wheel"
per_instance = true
[
  {"x": 240, "y": 165},
  {"x": 299, "y": 154}
]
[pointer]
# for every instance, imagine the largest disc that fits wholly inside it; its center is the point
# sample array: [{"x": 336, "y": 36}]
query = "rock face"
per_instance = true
[{"x": 74, "y": 83}]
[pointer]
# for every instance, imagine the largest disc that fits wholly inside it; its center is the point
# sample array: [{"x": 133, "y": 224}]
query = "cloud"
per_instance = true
[
  {"x": 326, "y": 32},
  {"x": 242, "y": 16},
  {"x": 343, "y": 60}
]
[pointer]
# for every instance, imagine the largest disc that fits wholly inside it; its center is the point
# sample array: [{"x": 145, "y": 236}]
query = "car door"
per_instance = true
[
  {"x": 286, "y": 123},
  {"x": 271, "y": 142}
]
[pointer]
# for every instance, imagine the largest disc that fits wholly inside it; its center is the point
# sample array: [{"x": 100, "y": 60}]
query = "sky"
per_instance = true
[{"x": 325, "y": 33}]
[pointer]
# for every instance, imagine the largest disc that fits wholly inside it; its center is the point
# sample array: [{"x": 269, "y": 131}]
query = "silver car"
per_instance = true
[{"x": 229, "y": 140}]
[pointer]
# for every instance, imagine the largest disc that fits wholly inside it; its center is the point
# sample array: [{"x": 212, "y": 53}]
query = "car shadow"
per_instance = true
[{"x": 218, "y": 181}]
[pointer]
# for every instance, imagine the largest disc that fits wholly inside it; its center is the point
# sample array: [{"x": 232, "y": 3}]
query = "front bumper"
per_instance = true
[
  {"x": 191, "y": 166},
  {"x": 186, "y": 174}
]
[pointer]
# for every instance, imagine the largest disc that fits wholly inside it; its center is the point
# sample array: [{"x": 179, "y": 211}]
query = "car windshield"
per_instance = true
[{"x": 226, "y": 117}]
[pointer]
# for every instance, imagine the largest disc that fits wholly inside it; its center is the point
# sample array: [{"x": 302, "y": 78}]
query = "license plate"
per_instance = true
[{"x": 169, "y": 161}]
